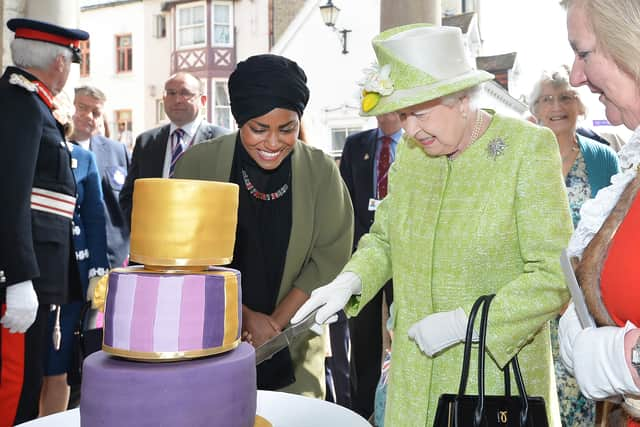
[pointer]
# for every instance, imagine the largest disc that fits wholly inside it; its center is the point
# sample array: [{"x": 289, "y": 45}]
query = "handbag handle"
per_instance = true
[{"x": 484, "y": 302}]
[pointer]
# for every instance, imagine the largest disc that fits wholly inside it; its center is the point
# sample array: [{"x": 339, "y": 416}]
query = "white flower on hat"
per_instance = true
[
  {"x": 376, "y": 83},
  {"x": 376, "y": 79}
]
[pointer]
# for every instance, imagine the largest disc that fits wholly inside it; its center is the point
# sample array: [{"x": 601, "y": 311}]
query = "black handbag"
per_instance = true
[
  {"x": 85, "y": 342},
  {"x": 462, "y": 410}
]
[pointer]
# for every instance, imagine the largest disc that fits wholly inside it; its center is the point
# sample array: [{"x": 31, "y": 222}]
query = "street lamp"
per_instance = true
[{"x": 329, "y": 14}]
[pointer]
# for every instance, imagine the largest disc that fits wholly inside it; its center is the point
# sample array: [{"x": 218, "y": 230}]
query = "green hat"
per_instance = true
[{"x": 416, "y": 63}]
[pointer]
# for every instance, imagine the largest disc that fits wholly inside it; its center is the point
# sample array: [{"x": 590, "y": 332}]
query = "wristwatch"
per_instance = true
[{"x": 635, "y": 356}]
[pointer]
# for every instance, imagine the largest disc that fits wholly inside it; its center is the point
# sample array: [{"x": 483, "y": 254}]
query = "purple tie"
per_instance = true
[{"x": 176, "y": 146}]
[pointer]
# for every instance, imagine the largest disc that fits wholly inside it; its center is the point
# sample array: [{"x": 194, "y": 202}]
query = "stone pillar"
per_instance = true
[
  {"x": 60, "y": 12},
  {"x": 65, "y": 13},
  {"x": 8, "y": 9},
  {"x": 394, "y": 13}
]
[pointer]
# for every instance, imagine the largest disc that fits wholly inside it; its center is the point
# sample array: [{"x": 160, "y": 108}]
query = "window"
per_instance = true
[
  {"x": 222, "y": 107},
  {"x": 190, "y": 26},
  {"x": 85, "y": 64},
  {"x": 222, "y": 23},
  {"x": 123, "y": 121},
  {"x": 124, "y": 53},
  {"x": 339, "y": 136},
  {"x": 159, "y": 26},
  {"x": 159, "y": 110}
]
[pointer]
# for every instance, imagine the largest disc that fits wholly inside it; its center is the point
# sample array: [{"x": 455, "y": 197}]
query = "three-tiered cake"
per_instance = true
[{"x": 177, "y": 311}]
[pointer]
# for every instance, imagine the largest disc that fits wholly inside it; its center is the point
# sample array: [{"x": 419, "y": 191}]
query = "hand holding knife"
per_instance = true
[{"x": 284, "y": 338}]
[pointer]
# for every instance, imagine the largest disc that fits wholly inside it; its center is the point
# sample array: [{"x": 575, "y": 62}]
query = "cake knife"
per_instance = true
[{"x": 284, "y": 338}]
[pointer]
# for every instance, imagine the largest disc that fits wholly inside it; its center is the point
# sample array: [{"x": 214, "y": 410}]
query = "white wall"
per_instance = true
[
  {"x": 124, "y": 91},
  {"x": 157, "y": 66},
  {"x": 331, "y": 75},
  {"x": 251, "y": 21}
]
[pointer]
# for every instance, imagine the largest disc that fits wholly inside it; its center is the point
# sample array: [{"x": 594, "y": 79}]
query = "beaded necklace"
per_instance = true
[
  {"x": 260, "y": 195},
  {"x": 475, "y": 134}
]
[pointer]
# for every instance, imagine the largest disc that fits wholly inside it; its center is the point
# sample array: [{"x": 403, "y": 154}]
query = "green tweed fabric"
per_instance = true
[{"x": 452, "y": 230}]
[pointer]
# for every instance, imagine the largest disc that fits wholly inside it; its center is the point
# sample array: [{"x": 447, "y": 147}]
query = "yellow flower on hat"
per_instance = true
[{"x": 369, "y": 100}]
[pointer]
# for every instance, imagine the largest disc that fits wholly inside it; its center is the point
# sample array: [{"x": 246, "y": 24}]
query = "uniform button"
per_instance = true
[{"x": 2, "y": 278}]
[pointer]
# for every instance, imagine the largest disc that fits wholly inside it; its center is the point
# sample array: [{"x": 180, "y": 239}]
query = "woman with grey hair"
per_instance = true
[
  {"x": 605, "y": 37},
  {"x": 476, "y": 205},
  {"x": 587, "y": 166}
]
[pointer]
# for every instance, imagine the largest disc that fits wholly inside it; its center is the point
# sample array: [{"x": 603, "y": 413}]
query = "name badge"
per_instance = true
[
  {"x": 74, "y": 163},
  {"x": 373, "y": 204}
]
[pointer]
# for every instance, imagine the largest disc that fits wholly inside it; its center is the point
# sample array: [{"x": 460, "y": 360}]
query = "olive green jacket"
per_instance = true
[
  {"x": 321, "y": 233},
  {"x": 494, "y": 220}
]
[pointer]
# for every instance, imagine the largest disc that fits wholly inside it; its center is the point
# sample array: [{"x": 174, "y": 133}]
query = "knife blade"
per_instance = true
[
  {"x": 576, "y": 292},
  {"x": 284, "y": 338}
]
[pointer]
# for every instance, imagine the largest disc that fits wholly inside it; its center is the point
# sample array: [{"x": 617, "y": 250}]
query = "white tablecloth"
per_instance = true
[{"x": 280, "y": 409}]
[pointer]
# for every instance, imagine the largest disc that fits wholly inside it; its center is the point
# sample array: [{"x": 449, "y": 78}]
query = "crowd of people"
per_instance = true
[{"x": 444, "y": 201}]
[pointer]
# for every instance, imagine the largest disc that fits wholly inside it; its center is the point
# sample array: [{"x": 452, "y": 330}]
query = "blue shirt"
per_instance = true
[{"x": 395, "y": 138}]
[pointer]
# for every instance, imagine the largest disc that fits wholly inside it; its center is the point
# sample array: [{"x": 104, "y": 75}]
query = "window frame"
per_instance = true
[
  {"x": 120, "y": 49},
  {"x": 348, "y": 131},
  {"x": 204, "y": 24},
  {"x": 85, "y": 54},
  {"x": 229, "y": 5},
  {"x": 159, "y": 26},
  {"x": 216, "y": 108}
]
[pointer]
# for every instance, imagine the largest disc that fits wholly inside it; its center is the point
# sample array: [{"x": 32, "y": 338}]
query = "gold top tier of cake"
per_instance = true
[{"x": 183, "y": 224}]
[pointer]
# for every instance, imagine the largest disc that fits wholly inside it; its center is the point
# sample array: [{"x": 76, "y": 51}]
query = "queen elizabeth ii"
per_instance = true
[{"x": 476, "y": 206}]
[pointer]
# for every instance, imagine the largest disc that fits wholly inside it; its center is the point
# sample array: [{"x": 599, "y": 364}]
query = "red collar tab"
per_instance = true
[
  {"x": 45, "y": 94},
  {"x": 28, "y": 33}
]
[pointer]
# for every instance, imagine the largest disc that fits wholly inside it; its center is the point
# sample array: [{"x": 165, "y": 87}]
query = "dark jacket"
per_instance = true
[
  {"x": 148, "y": 158},
  {"x": 113, "y": 162},
  {"x": 34, "y": 244},
  {"x": 356, "y": 168}
]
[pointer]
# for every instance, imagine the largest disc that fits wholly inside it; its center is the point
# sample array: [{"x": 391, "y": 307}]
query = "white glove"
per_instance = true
[
  {"x": 439, "y": 331},
  {"x": 333, "y": 296},
  {"x": 568, "y": 329},
  {"x": 22, "y": 307},
  {"x": 599, "y": 363}
]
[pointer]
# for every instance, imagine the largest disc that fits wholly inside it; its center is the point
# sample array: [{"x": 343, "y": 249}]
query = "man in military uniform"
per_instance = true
[{"x": 37, "y": 268}]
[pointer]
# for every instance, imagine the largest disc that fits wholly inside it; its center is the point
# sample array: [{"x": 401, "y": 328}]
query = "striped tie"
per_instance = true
[{"x": 177, "y": 138}]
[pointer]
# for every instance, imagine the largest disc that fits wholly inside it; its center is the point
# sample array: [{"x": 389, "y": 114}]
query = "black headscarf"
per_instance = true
[{"x": 264, "y": 82}]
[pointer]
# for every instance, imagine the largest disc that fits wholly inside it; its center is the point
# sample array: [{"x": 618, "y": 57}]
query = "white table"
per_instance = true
[{"x": 280, "y": 409}]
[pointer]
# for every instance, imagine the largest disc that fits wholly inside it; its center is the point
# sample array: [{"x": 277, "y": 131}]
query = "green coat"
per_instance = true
[
  {"x": 452, "y": 230},
  {"x": 320, "y": 241}
]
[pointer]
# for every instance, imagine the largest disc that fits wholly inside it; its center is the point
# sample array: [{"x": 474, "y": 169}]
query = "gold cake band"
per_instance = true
[
  {"x": 180, "y": 265},
  {"x": 177, "y": 223},
  {"x": 262, "y": 422},
  {"x": 169, "y": 356}
]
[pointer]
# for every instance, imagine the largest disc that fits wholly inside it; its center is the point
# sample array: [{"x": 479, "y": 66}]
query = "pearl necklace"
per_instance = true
[{"x": 475, "y": 134}]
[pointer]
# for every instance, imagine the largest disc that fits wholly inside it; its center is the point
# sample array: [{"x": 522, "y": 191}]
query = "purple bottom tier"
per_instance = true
[{"x": 212, "y": 391}]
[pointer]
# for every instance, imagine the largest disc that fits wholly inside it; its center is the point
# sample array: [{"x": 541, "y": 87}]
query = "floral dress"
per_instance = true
[{"x": 575, "y": 409}]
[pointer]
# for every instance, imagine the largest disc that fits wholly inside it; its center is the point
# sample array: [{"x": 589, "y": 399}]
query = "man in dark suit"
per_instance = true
[
  {"x": 156, "y": 151},
  {"x": 37, "y": 266},
  {"x": 364, "y": 166},
  {"x": 112, "y": 158}
]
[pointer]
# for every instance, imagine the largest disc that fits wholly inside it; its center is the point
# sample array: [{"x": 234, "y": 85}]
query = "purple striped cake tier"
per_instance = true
[{"x": 163, "y": 316}]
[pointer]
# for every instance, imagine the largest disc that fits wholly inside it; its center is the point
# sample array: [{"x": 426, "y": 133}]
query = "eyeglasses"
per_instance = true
[
  {"x": 184, "y": 94},
  {"x": 563, "y": 99}
]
